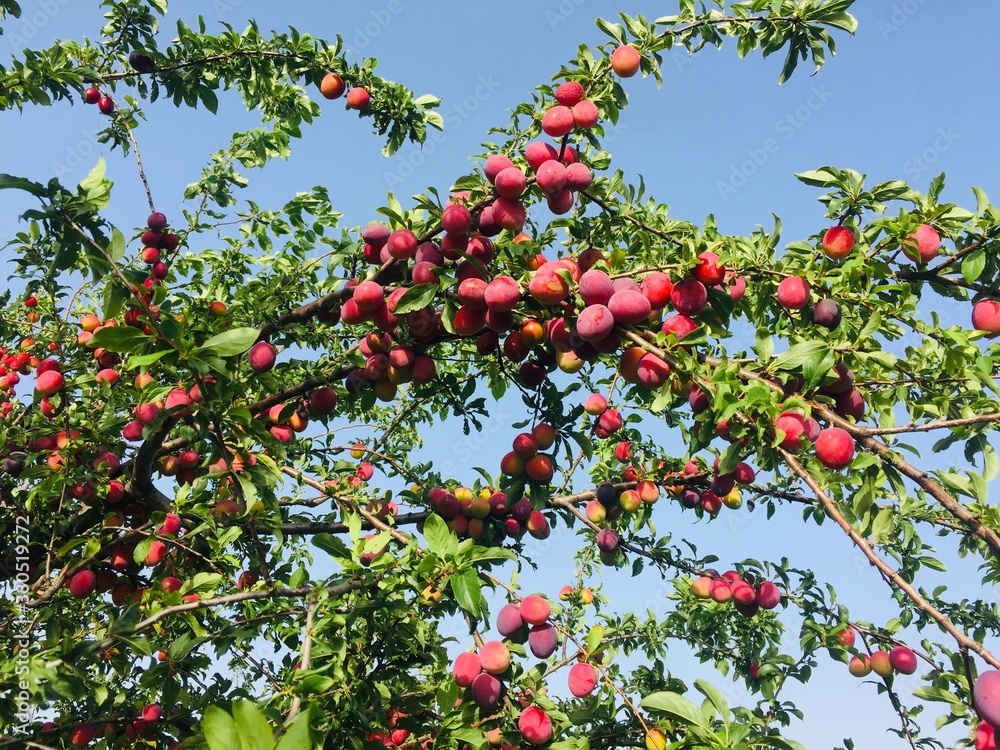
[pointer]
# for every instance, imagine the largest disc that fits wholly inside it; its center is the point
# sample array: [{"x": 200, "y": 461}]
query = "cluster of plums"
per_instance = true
[
  {"x": 481, "y": 672},
  {"x": 730, "y": 586},
  {"x": 137, "y": 729},
  {"x": 487, "y": 517}
]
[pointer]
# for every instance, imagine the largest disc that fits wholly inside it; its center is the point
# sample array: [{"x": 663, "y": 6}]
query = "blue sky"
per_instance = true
[{"x": 914, "y": 93}]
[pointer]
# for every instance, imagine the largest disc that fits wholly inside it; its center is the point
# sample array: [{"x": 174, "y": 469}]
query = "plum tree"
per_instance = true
[{"x": 170, "y": 488}]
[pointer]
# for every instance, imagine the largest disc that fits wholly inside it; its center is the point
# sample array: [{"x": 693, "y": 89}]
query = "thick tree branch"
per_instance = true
[{"x": 830, "y": 506}]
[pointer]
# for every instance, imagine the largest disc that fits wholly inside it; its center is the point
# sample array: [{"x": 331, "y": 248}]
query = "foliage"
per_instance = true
[{"x": 303, "y": 600}]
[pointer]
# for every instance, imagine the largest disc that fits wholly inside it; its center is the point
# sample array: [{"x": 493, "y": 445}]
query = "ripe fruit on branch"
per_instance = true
[
  {"x": 539, "y": 152},
  {"x": 156, "y": 221},
  {"x": 689, "y": 297},
  {"x": 845, "y": 637},
  {"x": 534, "y": 609},
  {"x": 880, "y": 663},
  {"x": 607, "y": 540},
  {"x": 486, "y": 691},
  {"x": 81, "y": 735},
  {"x": 157, "y": 551},
  {"x": 625, "y": 61},
  {"x": 548, "y": 284},
  {"x": 557, "y": 121},
  {"x": 358, "y": 98},
  {"x": 596, "y": 287},
  {"x": 569, "y": 93},
  {"x": 793, "y": 293},
  {"x": 720, "y": 590},
  {"x": 594, "y": 323},
  {"x": 543, "y": 640},
  {"x": 509, "y": 214},
  {"x": 578, "y": 176},
  {"x": 582, "y": 679},
  {"x": 656, "y": 740},
  {"x": 986, "y": 316},
  {"x": 551, "y": 177},
  {"x": 860, "y": 666},
  {"x": 835, "y": 448},
  {"x": 826, "y": 313},
  {"x": 509, "y": 620},
  {"x": 82, "y": 584},
  {"x": 708, "y": 271},
  {"x": 262, "y": 356},
  {"x": 923, "y": 244},
  {"x": 701, "y": 587},
  {"x": 511, "y": 182},
  {"x": 768, "y": 595},
  {"x": 49, "y": 382},
  {"x": 466, "y": 668},
  {"x": 679, "y": 325},
  {"x": 985, "y": 739},
  {"x": 595, "y": 405},
  {"x": 105, "y": 105},
  {"x": 332, "y": 86},
  {"x": 629, "y": 306},
  {"x": 170, "y": 526},
  {"x": 152, "y": 712},
  {"x": 178, "y": 402},
  {"x": 494, "y": 657},
  {"x": 585, "y": 114},
  {"x": 535, "y": 725},
  {"x": 838, "y": 242},
  {"x": 141, "y": 62},
  {"x": 903, "y": 659},
  {"x": 986, "y": 696},
  {"x": 538, "y": 525}
]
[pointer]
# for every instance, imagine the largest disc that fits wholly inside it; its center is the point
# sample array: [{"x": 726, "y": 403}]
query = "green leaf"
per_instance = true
[
  {"x": 730, "y": 458},
  {"x": 10, "y": 182},
  {"x": 937, "y": 694},
  {"x": 415, "y": 298},
  {"x": 118, "y": 339},
  {"x": 465, "y": 586},
  {"x": 229, "y": 343},
  {"x": 116, "y": 248},
  {"x": 822, "y": 177},
  {"x": 808, "y": 353},
  {"x": 676, "y": 706},
  {"x": 95, "y": 188},
  {"x": 254, "y": 730},
  {"x": 296, "y": 737},
  {"x": 440, "y": 539},
  {"x": 715, "y": 696},
  {"x": 594, "y": 638},
  {"x": 209, "y": 99},
  {"x": 973, "y": 265},
  {"x": 141, "y": 550},
  {"x": 765, "y": 345},
  {"x": 145, "y": 360},
  {"x": 334, "y": 545},
  {"x": 220, "y": 730}
]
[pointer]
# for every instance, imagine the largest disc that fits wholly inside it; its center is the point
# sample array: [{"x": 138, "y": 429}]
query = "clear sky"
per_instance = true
[{"x": 914, "y": 93}]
